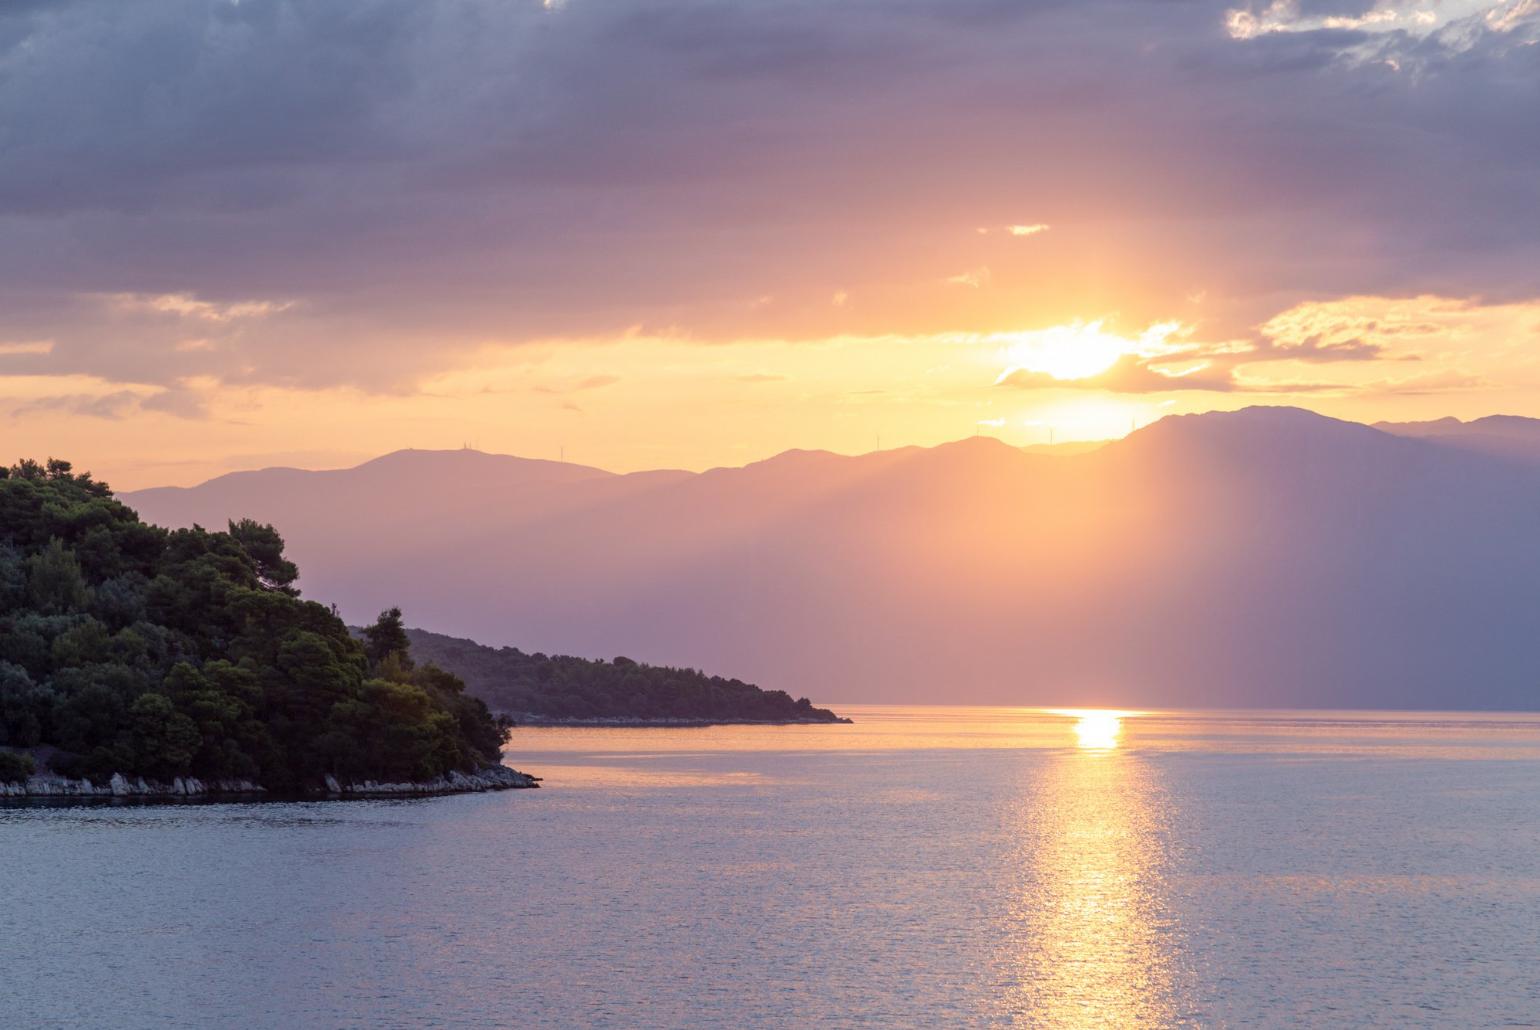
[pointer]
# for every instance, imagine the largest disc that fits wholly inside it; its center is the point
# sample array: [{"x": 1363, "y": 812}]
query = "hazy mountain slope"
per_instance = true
[
  {"x": 1263, "y": 557},
  {"x": 403, "y": 509},
  {"x": 1509, "y": 436}
]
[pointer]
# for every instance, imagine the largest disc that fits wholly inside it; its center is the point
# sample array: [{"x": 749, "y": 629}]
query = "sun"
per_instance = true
[
  {"x": 1096, "y": 729},
  {"x": 1078, "y": 350}
]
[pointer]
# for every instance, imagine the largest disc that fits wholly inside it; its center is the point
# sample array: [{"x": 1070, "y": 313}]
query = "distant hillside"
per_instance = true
[
  {"x": 538, "y": 687},
  {"x": 1509, "y": 436},
  {"x": 1266, "y": 557}
]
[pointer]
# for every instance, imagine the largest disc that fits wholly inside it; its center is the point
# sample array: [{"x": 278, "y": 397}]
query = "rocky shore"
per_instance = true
[
  {"x": 49, "y": 785},
  {"x": 493, "y": 777}
]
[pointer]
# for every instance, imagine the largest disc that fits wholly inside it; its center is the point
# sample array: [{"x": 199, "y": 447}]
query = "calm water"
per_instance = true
[{"x": 926, "y": 866}]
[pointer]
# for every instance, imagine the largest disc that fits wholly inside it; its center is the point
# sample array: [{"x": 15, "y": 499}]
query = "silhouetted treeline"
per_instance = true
[
  {"x": 560, "y": 687},
  {"x": 125, "y": 647}
]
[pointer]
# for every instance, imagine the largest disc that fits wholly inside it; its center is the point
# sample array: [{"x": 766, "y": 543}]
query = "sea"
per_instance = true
[{"x": 921, "y": 867}]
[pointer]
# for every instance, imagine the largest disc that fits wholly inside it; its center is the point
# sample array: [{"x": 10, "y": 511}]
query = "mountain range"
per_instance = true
[{"x": 1266, "y": 557}]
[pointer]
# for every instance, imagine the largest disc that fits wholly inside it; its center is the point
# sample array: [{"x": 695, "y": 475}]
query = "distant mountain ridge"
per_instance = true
[
  {"x": 1265, "y": 557},
  {"x": 1511, "y": 436}
]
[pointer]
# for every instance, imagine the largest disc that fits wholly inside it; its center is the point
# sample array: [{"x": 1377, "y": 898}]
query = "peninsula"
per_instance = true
[
  {"x": 560, "y": 690},
  {"x": 141, "y": 661}
]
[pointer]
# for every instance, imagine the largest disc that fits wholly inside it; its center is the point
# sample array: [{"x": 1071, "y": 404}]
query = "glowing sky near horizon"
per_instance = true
[{"x": 690, "y": 233}]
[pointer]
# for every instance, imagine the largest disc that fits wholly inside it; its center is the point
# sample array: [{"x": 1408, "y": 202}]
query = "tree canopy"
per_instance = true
[
  {"x": 126, "y": 647},
  {"x": 559, "y": 688}
]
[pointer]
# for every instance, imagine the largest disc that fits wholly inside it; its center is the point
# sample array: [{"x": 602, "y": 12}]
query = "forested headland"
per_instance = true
[
  {"x": 535, "y": 687},
  {"x": 128, "y": 648}
]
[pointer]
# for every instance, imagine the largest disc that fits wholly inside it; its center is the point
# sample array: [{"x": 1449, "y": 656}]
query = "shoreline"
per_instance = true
[{"x": 49, "y": 786}]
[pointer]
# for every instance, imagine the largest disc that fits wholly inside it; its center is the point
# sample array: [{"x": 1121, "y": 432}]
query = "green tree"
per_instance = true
[
  {"x": 388, "y": 637},
  {"x": 164, "y": 740},
  {"x": 15, "y": 767},
  {"x": 13, "y": 578},
  {"x": 265, "y": 547},
  {"x": 54, "y": 580},
  {"x": 130, "y": 648},
  {"x": 22, "y": 707}
]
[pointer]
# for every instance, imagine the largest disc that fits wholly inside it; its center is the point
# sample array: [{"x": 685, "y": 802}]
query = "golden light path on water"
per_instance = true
[
  {"x": 1052, "y": 867},
  {"x": 1093, "y": 945}
]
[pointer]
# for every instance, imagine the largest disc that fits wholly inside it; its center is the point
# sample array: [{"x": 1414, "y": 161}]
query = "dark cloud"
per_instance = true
[
  {"x": 114, "y": 405},
  {"x": 117, "y": 404},
  {"x": 413, "y": 177}
]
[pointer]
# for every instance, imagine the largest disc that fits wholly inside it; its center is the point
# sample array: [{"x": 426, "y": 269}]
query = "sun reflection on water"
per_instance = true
[
  {"x": 1091, "y": 942},
  {"x": 1098, "y": 731}
]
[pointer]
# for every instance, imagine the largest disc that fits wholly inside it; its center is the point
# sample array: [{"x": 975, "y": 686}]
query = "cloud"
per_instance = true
[
  {"x": 974, "y": 279},
  {"x": 1506, "y": 17},
  {"x": 1134, "y": 374},
  {"x": 593, "y": 382},
  {"x": 185, "y": 305},
  {"x": 1448, "y": 381},
  {"x": 183, "y": 403},
  {"x": 1165, "y": 358},
  {"x": 1022, "y": 229},
  {"x": 304, "y": 194},
  {"x": 1448, "y": 23},
  {"x": 1316, "y": 350},
  {"x": 1459, "y": 344},
  {"x": 117, "y": 404},
  {"x": 1421, "y": 327}
]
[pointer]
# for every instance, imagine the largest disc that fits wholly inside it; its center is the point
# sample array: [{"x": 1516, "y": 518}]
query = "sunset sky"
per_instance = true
[{"x": 676, "y": 233}]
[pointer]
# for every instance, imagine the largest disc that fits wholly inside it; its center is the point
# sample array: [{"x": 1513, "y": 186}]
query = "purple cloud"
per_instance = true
[{"x": 411, "y": 178}]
